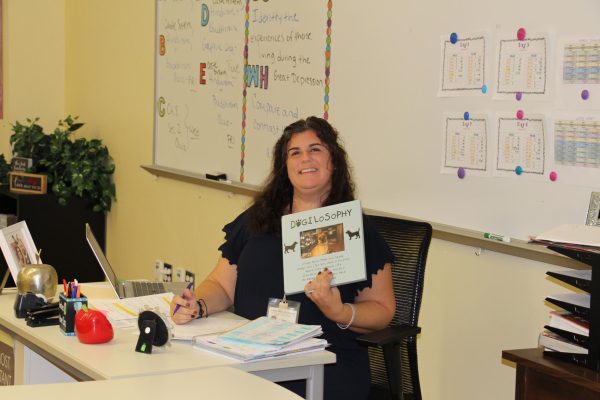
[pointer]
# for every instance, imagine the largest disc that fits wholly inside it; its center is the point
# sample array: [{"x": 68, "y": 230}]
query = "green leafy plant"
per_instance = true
[{"x": 78, "y": 167}]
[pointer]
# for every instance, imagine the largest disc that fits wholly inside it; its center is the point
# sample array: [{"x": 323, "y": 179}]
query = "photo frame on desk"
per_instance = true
[
  {"x": 593, "y": 216},
  {"x": 18, "y": 247}
]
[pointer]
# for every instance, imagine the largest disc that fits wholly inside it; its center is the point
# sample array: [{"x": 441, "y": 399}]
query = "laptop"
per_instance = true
[{"x": 129, "y": 288}]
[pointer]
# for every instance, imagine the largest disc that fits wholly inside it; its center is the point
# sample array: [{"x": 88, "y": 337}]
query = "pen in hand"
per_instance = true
[{"x": 189, "y": 286}]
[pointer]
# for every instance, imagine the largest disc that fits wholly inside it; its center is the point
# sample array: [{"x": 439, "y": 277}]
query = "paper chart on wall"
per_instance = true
[
  {"x": 466, "y": 144},
  {"x": 523, "y": 66},
  {"x": 463, "y": 66},
  {"x": 576, "y": 150},
  {"x": 578, "y": 77},
  {"x": 521, "y": 143}
]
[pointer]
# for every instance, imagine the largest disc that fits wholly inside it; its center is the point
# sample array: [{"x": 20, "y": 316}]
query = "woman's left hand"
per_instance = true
[{"x": 327, "y": 298}]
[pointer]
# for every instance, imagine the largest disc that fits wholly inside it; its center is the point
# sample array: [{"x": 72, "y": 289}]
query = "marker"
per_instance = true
[
  {"x": 494, "y": 236},
  {"x": 189, "y": 286}
]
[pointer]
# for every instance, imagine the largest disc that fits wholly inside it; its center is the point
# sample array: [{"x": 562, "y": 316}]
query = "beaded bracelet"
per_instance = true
[
  {"x": 202, "y": 309},
  {"x": 351, "y": 318}
]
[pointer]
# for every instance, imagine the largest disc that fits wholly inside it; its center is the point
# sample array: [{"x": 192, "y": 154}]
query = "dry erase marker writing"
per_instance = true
[{"x": 495, "y": 236}]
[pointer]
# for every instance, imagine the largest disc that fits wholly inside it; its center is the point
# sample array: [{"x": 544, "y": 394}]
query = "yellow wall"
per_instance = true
[
  {"x": 34, "y": 63},
  {"x": 473, "y": 307}
]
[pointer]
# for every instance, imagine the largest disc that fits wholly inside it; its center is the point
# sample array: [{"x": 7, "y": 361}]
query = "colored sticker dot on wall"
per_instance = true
[
  {"x": 520, "y": 114},
  {"x": 518, "y": 96},
  {"x": 585, "y": 94},
  {"x": 518, "y": 170},
  {"x": 484, "y": 89},
  {"x": 461, "y": 173},
  {"x": 553, "y": 176},
  {"x": 466, "y": 116},
  {"x": 521, "y": 34},
  {"x": 453, "y": 37}
]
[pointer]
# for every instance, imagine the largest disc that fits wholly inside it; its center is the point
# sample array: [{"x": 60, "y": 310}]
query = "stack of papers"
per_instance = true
[
  {"x": 123, "y": 313},
  {"x": 263, "y": 338},
  {"x": 584, "y": 237}
]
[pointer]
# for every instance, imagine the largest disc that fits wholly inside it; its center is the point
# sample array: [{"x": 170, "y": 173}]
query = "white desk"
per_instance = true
[
  {"x": 117, "y": 359},
  {"x": 211, "y": 383}
]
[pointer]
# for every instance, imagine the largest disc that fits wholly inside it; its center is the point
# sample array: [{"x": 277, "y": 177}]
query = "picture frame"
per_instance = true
[
  {"x": 593, "y": 215},
  {"x": 18, "y": 247}
]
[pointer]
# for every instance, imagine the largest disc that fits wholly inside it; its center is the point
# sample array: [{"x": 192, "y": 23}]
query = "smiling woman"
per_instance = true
[{"x": 309, "y": 171}]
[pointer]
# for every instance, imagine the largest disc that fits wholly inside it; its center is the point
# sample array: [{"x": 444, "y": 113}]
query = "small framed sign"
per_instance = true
[
  {"x": 22, "y": 182},
  {"x": 21, "y": 163},
  {"x": 593, "y": 216}
]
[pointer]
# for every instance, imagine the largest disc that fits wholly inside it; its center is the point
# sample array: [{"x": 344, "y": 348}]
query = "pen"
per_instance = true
[
  {"x": 189, "y": 286},
  {"x": 65, "y": 286},
  {"x": 495, "y": 236}
]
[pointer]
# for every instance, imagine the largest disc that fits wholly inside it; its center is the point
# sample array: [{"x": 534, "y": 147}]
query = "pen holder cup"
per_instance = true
[{"x": 67, "y": 308}]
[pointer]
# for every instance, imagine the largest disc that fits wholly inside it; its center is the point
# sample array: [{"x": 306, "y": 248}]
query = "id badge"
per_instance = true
[{"x": 283, "y": 309}]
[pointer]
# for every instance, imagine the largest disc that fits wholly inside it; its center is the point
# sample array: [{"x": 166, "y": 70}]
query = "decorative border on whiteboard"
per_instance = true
[
  {"x": 327, "y": 61},
  {"x": 245, "y": 91},
  {"x": 243, "y": 140}
]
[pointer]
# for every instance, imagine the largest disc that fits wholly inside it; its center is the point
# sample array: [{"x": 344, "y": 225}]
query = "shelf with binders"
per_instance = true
[{"x": 574, "y": 334}]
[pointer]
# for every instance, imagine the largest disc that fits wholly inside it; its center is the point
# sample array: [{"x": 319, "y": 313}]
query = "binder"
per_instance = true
[
  {"x": 577, "y": 279},
  {"x": 580, "y": 340}
]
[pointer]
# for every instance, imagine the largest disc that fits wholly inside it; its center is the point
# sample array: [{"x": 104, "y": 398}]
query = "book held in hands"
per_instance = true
[{"x": 329, "y": 237}]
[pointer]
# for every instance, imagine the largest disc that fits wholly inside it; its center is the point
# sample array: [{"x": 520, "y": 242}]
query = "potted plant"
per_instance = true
[{"x": 75, "y": 167}]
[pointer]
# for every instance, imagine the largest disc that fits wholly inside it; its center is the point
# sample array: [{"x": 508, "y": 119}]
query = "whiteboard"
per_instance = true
[{"x": 374, "y": 70}]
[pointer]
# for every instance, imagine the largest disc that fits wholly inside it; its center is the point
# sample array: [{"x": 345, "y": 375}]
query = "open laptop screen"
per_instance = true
[{"x": 102, "y": 260}]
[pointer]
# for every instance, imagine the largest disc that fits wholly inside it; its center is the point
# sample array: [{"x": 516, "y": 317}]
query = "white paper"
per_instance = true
[
  {"x": 127, "y": 310},
  {"x": 585, "y": 274},
  {"x": 578, "y": 65},
  {"x": 466, "y": 144},
  {"x": 522, "y": 66},
  {"x": 581, "y": 300},
  {"x": 586, "y": 235},
  {"x": 217, "y": 323},
  {"x": 463, "y": 65},
  {"x": 521, "y": 142}
]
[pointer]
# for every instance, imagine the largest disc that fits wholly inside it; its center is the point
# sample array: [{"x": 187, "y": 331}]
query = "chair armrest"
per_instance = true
[{"x": 391, "y": 334}]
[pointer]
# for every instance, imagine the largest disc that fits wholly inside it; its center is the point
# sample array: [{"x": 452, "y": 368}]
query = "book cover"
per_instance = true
[
  {"x": 569, "y": 322},
  {"x": 329, "y": 237}
]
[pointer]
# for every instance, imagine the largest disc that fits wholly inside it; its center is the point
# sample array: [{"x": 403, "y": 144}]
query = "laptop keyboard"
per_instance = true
[{"x": 141, "y": 288}]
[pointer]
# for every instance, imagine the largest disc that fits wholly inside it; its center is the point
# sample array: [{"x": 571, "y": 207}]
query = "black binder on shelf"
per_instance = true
[
  {"x": 591, "y": 258},
  {"x": 572, "y": 279}
]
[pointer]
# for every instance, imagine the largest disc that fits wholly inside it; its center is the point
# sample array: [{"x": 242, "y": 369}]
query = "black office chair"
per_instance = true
[{"x": 393, "y": 350}]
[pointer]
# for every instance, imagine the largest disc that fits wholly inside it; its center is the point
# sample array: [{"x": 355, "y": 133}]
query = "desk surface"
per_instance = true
[
  {"x": 561, "y": 370},
  {"x": 118, "y": 359},
  {"x": 212, "y": 383}
]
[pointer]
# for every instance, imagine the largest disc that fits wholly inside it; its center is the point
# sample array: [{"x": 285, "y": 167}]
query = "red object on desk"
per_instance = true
[{"x": 92, "y": 327}]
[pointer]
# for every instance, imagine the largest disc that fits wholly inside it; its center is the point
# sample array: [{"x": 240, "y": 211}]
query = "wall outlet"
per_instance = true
[
  {"x": 159, "y": 266},
  {"x": 190, "y": 276},
  {"x": 179, "y": 275},
  {"x": 167, "y": 273}
]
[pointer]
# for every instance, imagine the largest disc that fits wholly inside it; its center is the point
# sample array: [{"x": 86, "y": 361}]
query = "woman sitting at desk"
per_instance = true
[{"x": 310, "y": 170}]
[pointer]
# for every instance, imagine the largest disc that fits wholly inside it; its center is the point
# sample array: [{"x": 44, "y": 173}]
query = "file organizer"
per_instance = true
[{"x": 592, "y": 359}]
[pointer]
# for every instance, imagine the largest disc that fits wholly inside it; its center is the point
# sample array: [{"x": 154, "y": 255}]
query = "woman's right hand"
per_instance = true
[{"x": 188, "y": 307}]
